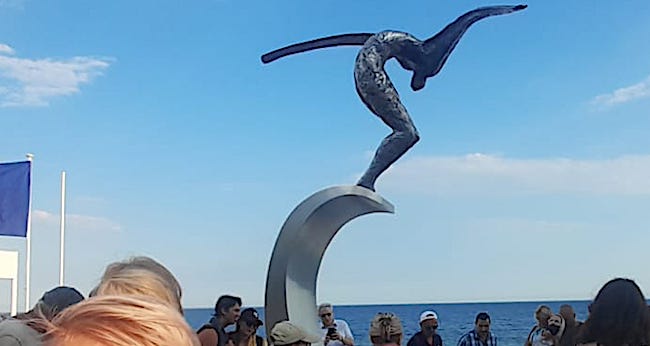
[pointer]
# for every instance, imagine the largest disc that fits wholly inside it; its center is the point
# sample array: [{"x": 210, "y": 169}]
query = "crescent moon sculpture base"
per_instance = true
[{"x": 300, "y": 246}]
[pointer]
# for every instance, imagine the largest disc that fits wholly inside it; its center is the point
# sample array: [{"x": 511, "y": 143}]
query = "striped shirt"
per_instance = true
[{"x": 472, "y": 339}]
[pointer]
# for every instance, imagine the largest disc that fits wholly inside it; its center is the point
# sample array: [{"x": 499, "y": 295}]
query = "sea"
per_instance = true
[{"x": 511, "y": 322}]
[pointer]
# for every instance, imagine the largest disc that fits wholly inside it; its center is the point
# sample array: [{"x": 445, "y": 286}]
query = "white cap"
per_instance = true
[{"x": 428, "y": 315}]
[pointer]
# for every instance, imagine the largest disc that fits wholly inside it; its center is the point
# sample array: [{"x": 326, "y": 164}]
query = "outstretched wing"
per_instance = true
[
  {"x": 325, "y": 42},
  {"x": 439, "y": 47}
]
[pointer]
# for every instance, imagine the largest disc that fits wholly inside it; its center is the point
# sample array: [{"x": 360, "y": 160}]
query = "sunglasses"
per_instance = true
[{"x": 327, "y": 314}]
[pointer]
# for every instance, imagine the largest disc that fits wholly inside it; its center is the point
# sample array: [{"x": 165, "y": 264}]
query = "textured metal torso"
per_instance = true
[{"x": 372, "y": 83}]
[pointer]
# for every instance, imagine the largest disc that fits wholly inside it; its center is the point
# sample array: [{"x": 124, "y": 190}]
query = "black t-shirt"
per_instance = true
[
  {"x": 221, "y": 333},
  {"x": 420, "y": 340}
]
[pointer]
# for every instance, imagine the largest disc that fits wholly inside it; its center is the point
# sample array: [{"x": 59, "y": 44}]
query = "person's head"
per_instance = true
[
  {"x": 138, "y": 282},
  {"x": 147, "y": 263},
  {"x": 618, "y": 315},
  {"x": 120, "y": 321},
  {"x": 326, "y": 314},
  {"x": 50, "y": 305},
  {"x": 248, "y": 322},
  {"x": 285, "y": 333},
  {"x": 556, "y": 325},
  {"x": 428, "y": 322},
  {"x": 542, "y": 314},
  {"x": 482, "y": 324},
  {"x": 566, "y": 311},
  {"x": 117, "y": 271},
  {"x": 228, "y": 309},
  {"x": 386, "y": 329}
]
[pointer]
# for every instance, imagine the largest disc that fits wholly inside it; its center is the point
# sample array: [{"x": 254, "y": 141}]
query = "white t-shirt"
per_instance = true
[
  {"x": 342, "y": 328},
  {"x": 537, "y": 340}
]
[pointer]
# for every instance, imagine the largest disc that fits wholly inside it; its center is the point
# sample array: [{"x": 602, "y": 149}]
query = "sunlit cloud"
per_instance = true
[
  {"x": 623, "y": 95},
  {"x": 34, "y": 82}
]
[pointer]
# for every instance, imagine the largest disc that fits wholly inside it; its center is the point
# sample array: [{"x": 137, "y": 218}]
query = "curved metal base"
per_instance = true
[{"x": 300, "y": 246}]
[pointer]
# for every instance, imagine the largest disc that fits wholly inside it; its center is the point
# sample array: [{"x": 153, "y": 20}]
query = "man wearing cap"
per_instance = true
[
  {"x": 20, "y": 331},
  {"x": 245, "y": 333},
  {"x": 427, "y": 335},
  {"x": 286, "y": 333},
  {"x": 334, "y": 332}
]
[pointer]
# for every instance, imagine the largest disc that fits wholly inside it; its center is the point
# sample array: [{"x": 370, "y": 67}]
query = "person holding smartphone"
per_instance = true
[{"x": 335, "y": 332}]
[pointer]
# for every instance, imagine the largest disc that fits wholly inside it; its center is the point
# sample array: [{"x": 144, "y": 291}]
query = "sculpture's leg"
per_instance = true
[{"x": 388, "y": 107}]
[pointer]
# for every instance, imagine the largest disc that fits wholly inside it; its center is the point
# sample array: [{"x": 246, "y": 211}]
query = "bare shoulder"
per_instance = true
[{"x": 208, "y": 337}]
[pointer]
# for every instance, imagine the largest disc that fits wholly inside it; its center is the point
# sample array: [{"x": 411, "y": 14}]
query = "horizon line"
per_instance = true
[{"x": 257, "y": 306}]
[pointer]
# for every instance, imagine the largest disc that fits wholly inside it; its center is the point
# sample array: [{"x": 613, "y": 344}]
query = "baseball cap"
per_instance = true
[
  {"x": 286, "y": 333},
  {"x": 59, "y": 298},
  {"x": 250, "y": 316},
  {"x": 428, "y": 315}
]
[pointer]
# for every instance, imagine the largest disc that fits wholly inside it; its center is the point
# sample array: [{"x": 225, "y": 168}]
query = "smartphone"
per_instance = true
[{"x": 331, "y": 331}]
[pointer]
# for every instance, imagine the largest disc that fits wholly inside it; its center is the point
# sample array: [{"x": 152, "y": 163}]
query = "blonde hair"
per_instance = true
[
  {"x": 141, "y": 275},
  {"x": 385, "y": 328},
  {"x": 120, "y": 321},
  {"x": 138, "y": 282},
  {"x": 147, "y": 263}
]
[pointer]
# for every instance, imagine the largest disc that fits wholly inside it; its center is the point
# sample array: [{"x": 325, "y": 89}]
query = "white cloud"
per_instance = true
[
  {"x": 29, "y": 82},
  {"x": 84, "y": 223},
  {"x": 623, "y": 95},
  {"x": 480, "y": 174},
  {"x": 5, "y": 49}
]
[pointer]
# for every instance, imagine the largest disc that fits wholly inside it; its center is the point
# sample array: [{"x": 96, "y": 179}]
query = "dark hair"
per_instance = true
[
  {"x": 225, "y": 302},
  {"x": 482, "y": 316},
  {"x": 618, "y": 316}
]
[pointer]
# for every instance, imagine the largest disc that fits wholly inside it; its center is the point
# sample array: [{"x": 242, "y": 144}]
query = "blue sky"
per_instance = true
[{"x": 530, "y": 180}]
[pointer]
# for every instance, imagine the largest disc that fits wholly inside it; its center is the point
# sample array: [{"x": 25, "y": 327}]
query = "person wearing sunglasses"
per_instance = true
[
  {"x": 335, "y": 332},
  {"x": 245, "y": 333},
  {"x": 427, "y": 335}
]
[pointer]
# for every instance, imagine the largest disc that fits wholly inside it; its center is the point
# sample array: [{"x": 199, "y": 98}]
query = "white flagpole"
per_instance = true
[
  {"x": 28, "y": 255},
  {"x": 62, "y": 252}
]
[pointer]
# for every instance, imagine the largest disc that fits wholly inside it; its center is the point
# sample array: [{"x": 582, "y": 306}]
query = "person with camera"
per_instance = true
[
  {"x": 335, "y": 332},
  {"x": 427, "y": 335}
]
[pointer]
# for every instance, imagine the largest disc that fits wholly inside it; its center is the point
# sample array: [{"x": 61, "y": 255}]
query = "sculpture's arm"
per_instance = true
[{"x": 325, "y": 42}]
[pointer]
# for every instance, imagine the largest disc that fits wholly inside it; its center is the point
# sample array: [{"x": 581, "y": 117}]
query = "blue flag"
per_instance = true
[{"x": 14, "y": 198}]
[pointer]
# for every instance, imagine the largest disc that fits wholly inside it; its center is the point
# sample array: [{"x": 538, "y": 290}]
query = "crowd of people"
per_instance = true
[{"x": 138, "y": 303}]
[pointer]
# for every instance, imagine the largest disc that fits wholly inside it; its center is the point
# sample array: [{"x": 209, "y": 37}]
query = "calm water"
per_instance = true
[{"x": 510, "y": 321}]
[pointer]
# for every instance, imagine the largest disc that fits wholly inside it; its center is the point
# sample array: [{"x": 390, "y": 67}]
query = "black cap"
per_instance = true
[
  {"x": 61, "y": 297},
  {"x": 250, "y": 316}
]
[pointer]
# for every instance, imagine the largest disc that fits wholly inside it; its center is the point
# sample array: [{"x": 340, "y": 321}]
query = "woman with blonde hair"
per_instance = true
[
  {"x": 146, "y": 263},
  {"x": 138, "y": 282},
  {"x": 119, "y": 321},
  {"x": 141, "y": 276},
  {"x": 386, "y": 329}
]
